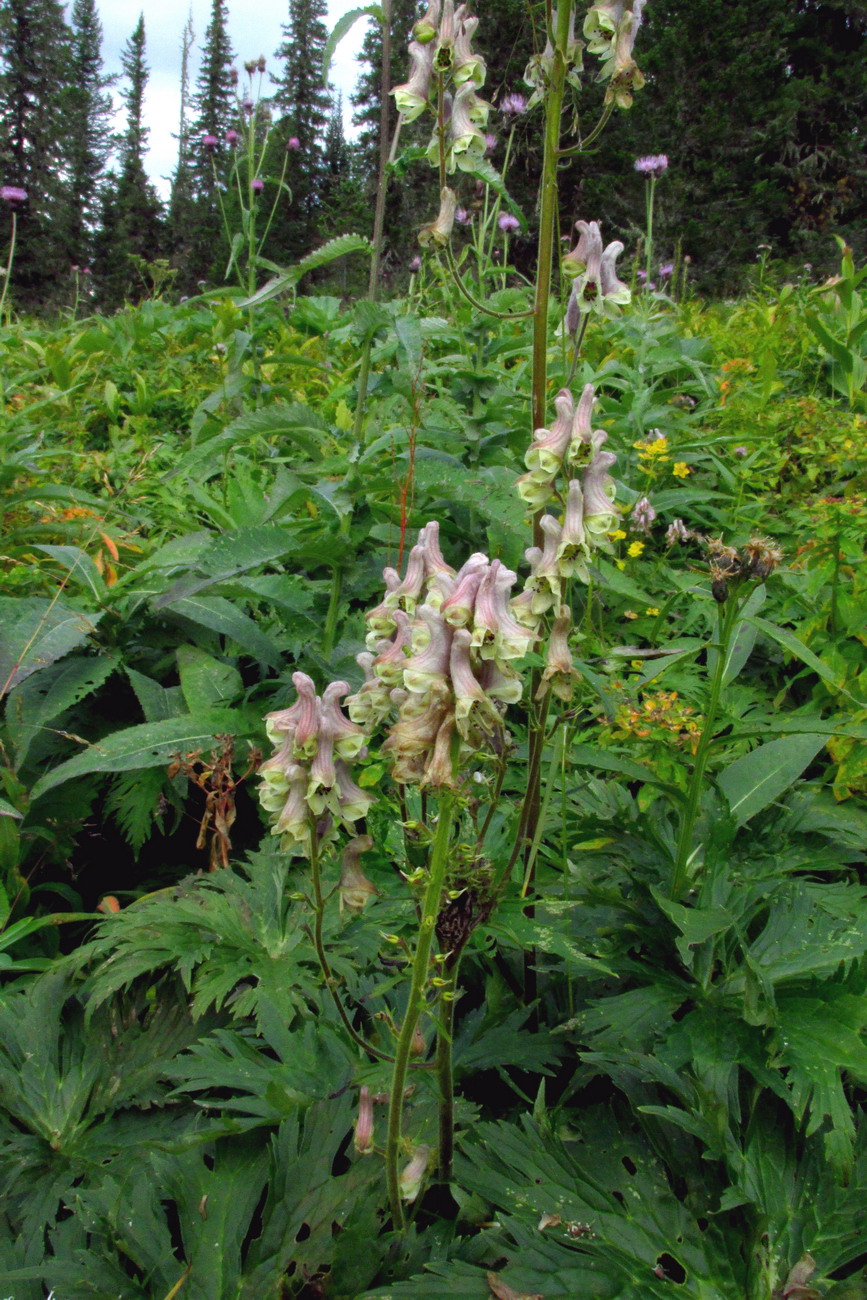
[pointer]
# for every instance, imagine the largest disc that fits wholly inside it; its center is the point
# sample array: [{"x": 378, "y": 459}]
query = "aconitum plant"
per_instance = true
[{"x": 463, "y": 659}]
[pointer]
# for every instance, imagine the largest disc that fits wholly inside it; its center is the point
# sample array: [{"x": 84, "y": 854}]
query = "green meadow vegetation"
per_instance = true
[{"x": 432, "y": 760}]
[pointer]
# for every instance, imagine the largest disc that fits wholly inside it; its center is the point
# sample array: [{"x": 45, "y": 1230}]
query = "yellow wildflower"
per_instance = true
[
  {"x": 681, "y": 469},
  {"x": 617, "y": 536},
  {"x": 652, "y": 610},
  {"x": 635, "y": 549}
]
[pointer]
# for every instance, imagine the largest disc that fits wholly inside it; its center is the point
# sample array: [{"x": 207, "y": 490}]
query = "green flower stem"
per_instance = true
[
  {"x": 319, "y": 945},
  {"x": 480, "y": 306},
  {"x": 330, "y": 628},
  {"x": 548, "y": 207},
  {"x": 415, "y": 1002},
  {"x": 648, "y": 244},
  {"x": 9, "y": 263},
  {"x": 727, "y": 617},
  {"x": 445, "y": 1074}
]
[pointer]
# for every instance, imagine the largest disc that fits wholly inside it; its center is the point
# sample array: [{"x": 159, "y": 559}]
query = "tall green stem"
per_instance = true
[
  {"x": 415, "y": 1002},
  {"x": 9, "y": 262},
  {"x": 379, "y": 213},
  {"x": 727, "y": 616},
  {"x": 648, "y": 239},
  {"x": 445, "y": 1073}
]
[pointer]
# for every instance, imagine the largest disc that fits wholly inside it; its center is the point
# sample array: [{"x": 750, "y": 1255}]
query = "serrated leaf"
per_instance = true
[
  {"x": 221, "y": 616},
  {"x": 42, "y": 698},
  {"x": 339, "y": 247},
  {"x": 35, "y": 632},
  {"x": 151, "y": 744},
  {"x": 752, "y": 782},
  {"x": 341, "y": 28}
]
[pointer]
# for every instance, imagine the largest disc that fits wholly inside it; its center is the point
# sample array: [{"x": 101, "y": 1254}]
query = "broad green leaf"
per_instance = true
[
  {"x": 696, "y": 924},
  {"x": 80, "y": 568},
  {"x": 157, "y": 702},
  {"x": 752, "y": 782},
  {"x": 150, "y": 744},
  {"x": 741, "y": 645},
  {"x": 34, "y": 632},
  {"x": 790, "y": 642},
  {"x": 205, "y": 681},
  {"x": 221, "y": 616},
  {"x": 7, "y": 810}
]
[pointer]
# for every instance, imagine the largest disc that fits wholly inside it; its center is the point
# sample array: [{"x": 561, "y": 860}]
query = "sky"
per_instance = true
[{"x": 254, "y": 29}]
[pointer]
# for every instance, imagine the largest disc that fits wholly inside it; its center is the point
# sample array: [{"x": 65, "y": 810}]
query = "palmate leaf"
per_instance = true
[
  {"x": 70, "y": 1092},
  {"x": 229, "y": 938},
  {"x": 626, "y": 1221},
  {"x": 819, "y": 1038}
]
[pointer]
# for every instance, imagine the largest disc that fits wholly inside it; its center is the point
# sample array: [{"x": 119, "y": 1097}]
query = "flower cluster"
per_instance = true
[
  {"x": 596, "y": 286},
  {"x": 442, "y": 46},
  {"x": 438, "y": 662},
  {"x": 538, "y": 70},
  {"x": 756, "y": 560},
  {"x": 610, "y": 29},
  {"x": 307, "y": 783}
]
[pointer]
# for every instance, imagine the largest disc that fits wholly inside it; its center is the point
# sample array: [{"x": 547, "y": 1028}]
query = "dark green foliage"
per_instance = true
[
  {"x": 301, "y": 112},
  {"x": 131, "y": 222},
  {"x": 88, "y": 117},
  {"x": 35, "y": 69}
]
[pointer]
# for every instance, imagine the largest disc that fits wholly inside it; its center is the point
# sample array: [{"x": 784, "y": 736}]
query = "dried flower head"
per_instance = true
[{"x": 760, "y": 557}]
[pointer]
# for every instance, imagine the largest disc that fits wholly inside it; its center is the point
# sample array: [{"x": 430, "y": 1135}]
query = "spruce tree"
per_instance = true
[
  {"x": 214, "y": 110},
  {"x": 132, "y": 214},
  {"x": 35, "y": 59},
  {"x": 301, "y": 107},
  {"x": 181, "y": 218},
  {"x": 88, "y": 112}
]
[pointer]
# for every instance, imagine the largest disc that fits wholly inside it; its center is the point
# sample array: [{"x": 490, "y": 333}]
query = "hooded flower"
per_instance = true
[
  {"x": 466, "y": 138},
  {"x": 354, "y": 888},
  {"x": 439, "y": 232},
  {"x": 467, "y": 66},
  {"x": 559, "y": 676},
  {"x": 600, "y": 512},
  {"x": 412, "y": 97}
]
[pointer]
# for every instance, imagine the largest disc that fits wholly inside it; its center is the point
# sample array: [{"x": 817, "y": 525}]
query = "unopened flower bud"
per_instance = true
[
  {"x": 413, "y": 1175},
  {"x": 355, "y": 889},
  {"x": 364, "y": 1123}
]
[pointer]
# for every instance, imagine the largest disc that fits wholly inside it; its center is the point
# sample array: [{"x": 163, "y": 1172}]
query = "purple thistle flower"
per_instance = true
[
  {"x": 741, "y": 451},
  {"x": 666, "y": 270},
  {"x": 652, "y": 165},
  {"x": 415, "y": 264},
  {"x": 462, "y": 216},
  {"x": 507, "y": 223},
  {"x": 209, "y": 142},
  {"x": 490, "y": 143},
  {"x": 13, "y": 194},
  {"x": 248, "y": 106},
  {"x": 513, "y": 105},
  {"x": 257, "y": 185},
  {"x": 293, "y": 142},
  {"x": 232, "y": 137}
]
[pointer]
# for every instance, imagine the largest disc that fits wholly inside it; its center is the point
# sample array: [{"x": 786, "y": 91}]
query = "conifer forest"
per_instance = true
[{"x": 433, "y": 670}]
